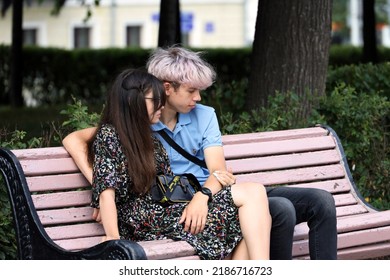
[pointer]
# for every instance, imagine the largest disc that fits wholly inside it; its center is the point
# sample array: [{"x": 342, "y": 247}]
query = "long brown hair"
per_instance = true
[{"x": 126, "y": 110}]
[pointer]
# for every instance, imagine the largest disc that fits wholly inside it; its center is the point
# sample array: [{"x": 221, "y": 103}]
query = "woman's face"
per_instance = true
[{"x": 154, "y": 116}]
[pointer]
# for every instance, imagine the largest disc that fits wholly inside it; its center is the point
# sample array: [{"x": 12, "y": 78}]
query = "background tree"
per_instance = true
[
  {"x": 169, "y": 32},
  {"x": 16, "y": 79},
  {"x": 16, "y": 98},
  {"x": 290, "y": 51},
  {"x": 370, "y": 52}
]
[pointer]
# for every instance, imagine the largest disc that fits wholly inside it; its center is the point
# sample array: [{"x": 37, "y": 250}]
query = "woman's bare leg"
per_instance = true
[
  {"x": 240, "y": 252},
  {"x": 255, "y": 220}
]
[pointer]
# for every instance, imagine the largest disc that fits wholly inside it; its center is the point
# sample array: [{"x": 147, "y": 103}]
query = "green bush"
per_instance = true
[
  {"x": 78, "y": 117},
  {"x": 226, "y": 97},
  {"x": 359, "y": 118},
  {"x": 7, "y": 233},
  {"x": 282, "y": 113},
  {"x": 340, "y": 55},
  {"x": 368, "y": 78},
  {"x": 358, "y": 109}
]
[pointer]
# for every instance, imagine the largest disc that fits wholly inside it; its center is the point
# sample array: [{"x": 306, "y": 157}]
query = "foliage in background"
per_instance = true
[
  {"x": 368, "y": 78},
  {"x": 7, "y": 233},
  {"x": 51, "y": 76},
  {"x": 78, "y": 116},
  {"x": 281, "y": 114},
  {"x": 361, "y": 115},
  {"x": 16, "y": 140},
  {"x": 361, "y": 121},
  {"x": 226, "y": 97}
]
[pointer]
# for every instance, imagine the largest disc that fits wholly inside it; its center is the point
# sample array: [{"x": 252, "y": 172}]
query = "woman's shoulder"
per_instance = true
[
  {"x": 106, "y": 130},
  {"x": 107, "y": 134}
]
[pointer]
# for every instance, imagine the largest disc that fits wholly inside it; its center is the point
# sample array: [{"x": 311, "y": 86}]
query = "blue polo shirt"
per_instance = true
[{"x": 194, "y": 132}]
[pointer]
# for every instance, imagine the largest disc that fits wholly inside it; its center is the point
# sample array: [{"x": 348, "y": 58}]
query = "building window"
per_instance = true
[
  {"x": 185, "y": 39},
  {"x": 82, "y": 37},
  {"x": 133, "y": 36},
  {"x": 30, "y": 36}
]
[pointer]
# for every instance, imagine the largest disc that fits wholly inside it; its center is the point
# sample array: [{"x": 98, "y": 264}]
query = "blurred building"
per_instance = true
[
  {"x": 134, "y": 23},
  {"x": 355, "y": 24},
  {"x": 122, "y": 23}
]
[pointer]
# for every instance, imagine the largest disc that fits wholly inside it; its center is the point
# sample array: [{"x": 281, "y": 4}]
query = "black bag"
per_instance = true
[{"x": 170, "y": 189}]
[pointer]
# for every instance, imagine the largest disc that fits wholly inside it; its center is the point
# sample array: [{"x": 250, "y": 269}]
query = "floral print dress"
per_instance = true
[{"x": 141, "y": 219}]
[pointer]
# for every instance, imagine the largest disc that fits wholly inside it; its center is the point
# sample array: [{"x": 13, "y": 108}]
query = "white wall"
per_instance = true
[{"x": 216, "y": 23}]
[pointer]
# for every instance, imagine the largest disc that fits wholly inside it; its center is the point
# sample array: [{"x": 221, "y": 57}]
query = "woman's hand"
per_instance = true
[
  {"x": 106, "y": 238},
  {"x": 194, "y": 215},
  {"x": 226, "y": 178},
  {"x": 96, "y": 215}
]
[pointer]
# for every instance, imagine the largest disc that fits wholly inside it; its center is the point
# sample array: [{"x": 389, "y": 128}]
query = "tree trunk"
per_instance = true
[
  {"x": 16, "y": 98},
  {"x": 370, "y": 53},
  {"x": 290, "y": 51},
  {"x": 169, "y": 30}
]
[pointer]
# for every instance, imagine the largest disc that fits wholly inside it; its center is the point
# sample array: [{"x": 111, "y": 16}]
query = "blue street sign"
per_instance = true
[{"x": 186, "y": 21}]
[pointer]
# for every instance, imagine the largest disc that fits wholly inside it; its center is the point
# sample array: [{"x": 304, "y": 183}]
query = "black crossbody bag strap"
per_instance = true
[{"x": 183, "y": 152}]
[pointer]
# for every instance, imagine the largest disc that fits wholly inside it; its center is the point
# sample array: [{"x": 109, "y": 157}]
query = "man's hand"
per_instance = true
[
  {"x": 194, "y": 215},
  {"x": 225, "y": 178}
]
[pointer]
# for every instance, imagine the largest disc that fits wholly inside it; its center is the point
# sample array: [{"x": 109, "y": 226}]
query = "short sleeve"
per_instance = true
[{"x": 211, "y": 133}]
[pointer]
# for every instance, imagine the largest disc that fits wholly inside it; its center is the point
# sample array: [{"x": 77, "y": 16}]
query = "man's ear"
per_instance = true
[{"x": 167, "y": 87}]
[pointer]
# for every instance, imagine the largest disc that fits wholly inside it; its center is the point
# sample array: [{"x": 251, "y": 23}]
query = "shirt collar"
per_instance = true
[{"x": 183, "y": 119}]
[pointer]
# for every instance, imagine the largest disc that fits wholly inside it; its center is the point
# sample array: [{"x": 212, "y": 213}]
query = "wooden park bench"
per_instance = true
[{"x": 50, "y": 198}]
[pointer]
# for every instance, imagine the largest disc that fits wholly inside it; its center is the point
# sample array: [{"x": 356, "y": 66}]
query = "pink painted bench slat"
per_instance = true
[{"x": 306, "y": 157}]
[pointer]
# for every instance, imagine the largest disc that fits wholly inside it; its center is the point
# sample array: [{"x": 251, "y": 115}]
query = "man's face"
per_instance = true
[{"x": 182, "y": 99}]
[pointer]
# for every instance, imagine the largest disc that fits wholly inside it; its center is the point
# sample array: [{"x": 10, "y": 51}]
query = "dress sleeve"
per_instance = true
[{"x": 107, "y": 165}]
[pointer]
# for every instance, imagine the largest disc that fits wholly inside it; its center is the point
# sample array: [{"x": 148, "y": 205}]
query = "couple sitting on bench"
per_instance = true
[{"x": 228, "y": 219}]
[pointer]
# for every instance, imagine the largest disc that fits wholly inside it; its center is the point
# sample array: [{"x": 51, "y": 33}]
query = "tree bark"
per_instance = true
[
  {"x": 16, "y": 98},
  {"x": 169, "y": 29},
  {"x": 370, "y": 53},
  {"x": 290, "y": 50}
]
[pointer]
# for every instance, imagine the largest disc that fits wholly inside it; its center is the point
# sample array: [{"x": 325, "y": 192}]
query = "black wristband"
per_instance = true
[{"x": 206, "y": 191}]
